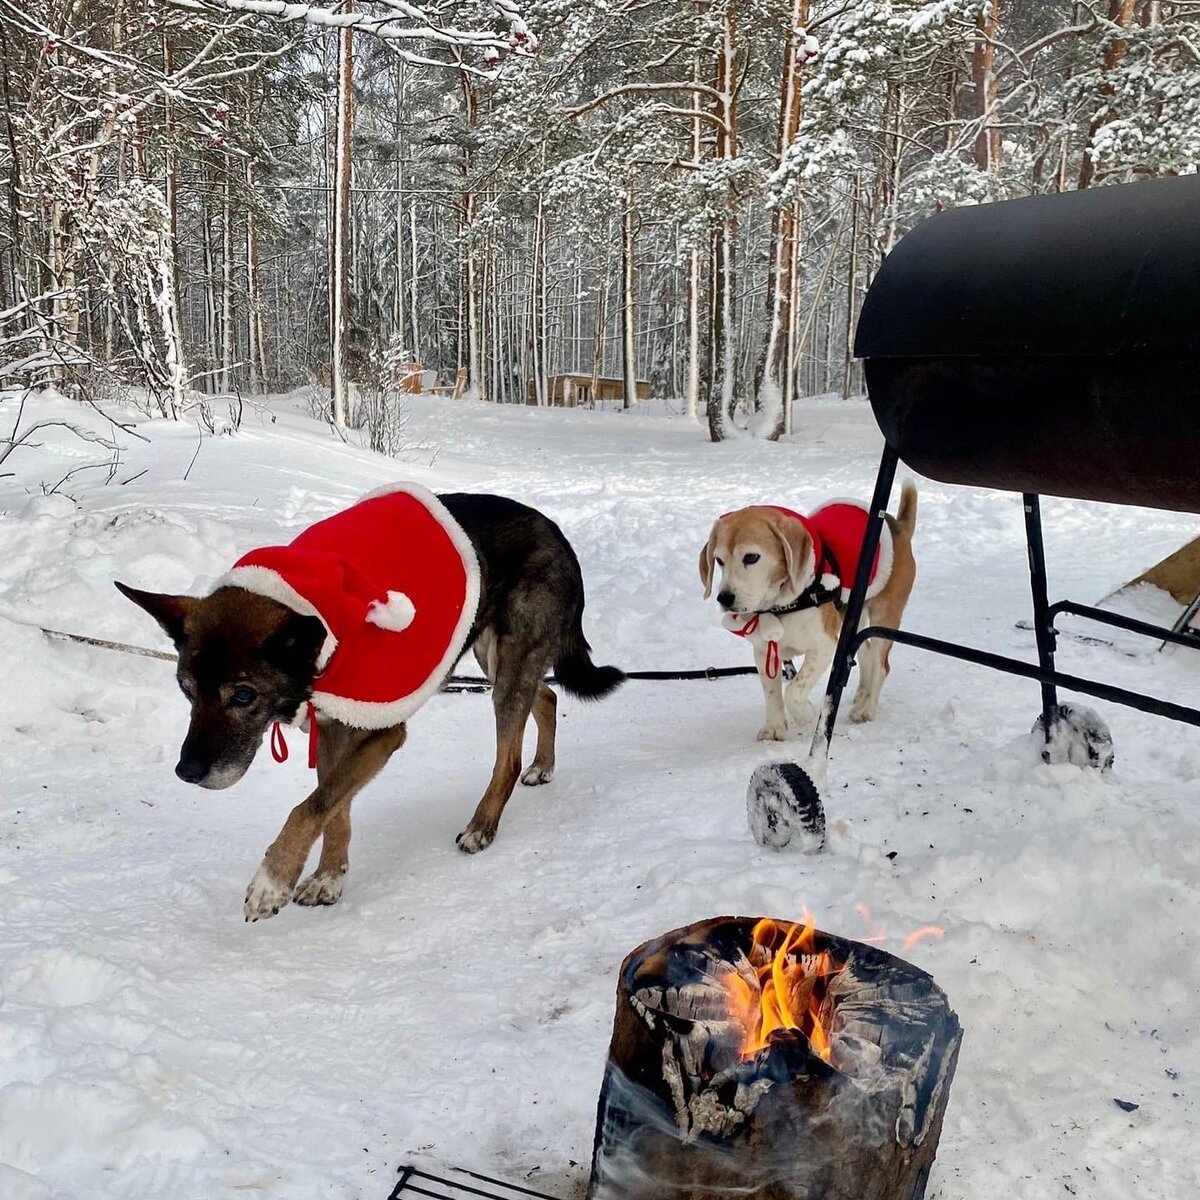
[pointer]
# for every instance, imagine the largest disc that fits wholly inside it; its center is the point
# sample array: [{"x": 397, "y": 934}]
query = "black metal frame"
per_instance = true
[
  {"x": 1044, "y": 615},
  {"x": 1183, "y": 627},
  {"x": 468, "y": 1185}
]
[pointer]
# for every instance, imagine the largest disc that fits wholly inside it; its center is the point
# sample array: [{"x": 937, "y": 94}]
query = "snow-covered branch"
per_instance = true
[
  {"x": 390, "y": 20},
  {"x": 642, "y": 89}
]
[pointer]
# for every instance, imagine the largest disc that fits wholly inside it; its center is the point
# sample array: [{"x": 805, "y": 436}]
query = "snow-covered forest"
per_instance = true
[
  {"x": 259, "y": 258},
  {"x": 217, "y": 195}
]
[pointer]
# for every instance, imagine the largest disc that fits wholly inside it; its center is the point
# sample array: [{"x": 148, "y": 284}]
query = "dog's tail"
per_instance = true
[
  {"x": 576, "y": 672},
  {"x": 906, "y": 514}
]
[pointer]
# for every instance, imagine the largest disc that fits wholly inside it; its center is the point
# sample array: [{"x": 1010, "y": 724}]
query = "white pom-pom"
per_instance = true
[
  {"x": 397, "y": 613},
  {"x": 830, "y": 582}
]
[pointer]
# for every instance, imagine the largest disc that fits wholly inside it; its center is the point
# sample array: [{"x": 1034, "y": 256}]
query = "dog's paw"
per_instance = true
[
  {"x": 861, "y": 712},
  {"x": 535, "y": 775},
  {"x": 771, "y": 732},
  {"x": 265, "y": 896},
  {"x": 799, "y": 709},
  {"x": 320, "y": 888},
  {"x": 472, "y": 840}
]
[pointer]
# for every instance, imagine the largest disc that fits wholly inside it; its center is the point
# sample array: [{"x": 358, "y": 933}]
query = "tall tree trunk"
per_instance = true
[
  {"x": 1120, "y": 13},
  {"x": 168, "y": 315},
  {"x": 695, "y": 349},
  {"x": 983, "y": 79},
  {"x": 414, "y": 327},
  {"x": 254, "y": 330},
  {"x": 227, "y": 281},
  {"x": 541, "y": 249},
  {"x": 212, "y": 336},
  {"x": 477, "y": 385},
  {"x": 793, "y": 348},
  {"x": 693, "y": 334},
  {"x": 894, "y": 124},
  {"x": 339, "y": 274},
  {"x": 399, "y": 299},
  {"x": 851, "y": 294},
  {"x": 534, "y": 335},
  {"x": 602, "y": 289},
  {"x": 723, "y": 376},
  {"x": 778, "y": 386},
  {"x": 628, "y": 301},
  {"x": 171, "y": 193}
]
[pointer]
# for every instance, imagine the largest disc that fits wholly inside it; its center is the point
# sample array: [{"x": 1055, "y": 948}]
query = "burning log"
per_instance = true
[{"x": 767, "y": 1059}]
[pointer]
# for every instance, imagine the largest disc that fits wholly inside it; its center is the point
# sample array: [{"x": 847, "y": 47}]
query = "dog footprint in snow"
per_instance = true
[{"x": 81, "y": 706}]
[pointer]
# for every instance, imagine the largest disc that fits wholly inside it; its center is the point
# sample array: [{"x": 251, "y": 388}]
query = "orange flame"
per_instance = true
[
  {"x": 919, "y": 935},
  {"x": 790, "y": 986},
  {"x": 880, "y": 934}
]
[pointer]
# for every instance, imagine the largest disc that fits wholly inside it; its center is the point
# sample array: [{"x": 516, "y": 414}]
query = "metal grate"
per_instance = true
[{"x": 467, "y": 1185}]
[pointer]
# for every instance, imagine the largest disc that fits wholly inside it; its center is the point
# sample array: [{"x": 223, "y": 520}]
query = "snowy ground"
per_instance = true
[{"x": 456, "y": 1010}]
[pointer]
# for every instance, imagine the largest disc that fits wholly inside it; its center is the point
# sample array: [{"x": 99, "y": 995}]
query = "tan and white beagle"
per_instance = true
[{"x": 784, "y": 580}]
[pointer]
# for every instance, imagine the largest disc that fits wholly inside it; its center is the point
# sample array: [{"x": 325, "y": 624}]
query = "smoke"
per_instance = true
[
  {"x": 634, "y": 1125},
  {"x": 640, "y": 1153}
]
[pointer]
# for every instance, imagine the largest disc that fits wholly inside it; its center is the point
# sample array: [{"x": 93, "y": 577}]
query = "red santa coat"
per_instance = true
[
  {"x": 395, "y": 582},
  {"x": 837, "y": 530}
]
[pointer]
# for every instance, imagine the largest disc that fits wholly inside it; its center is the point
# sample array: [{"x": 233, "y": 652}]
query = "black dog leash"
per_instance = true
[
  {"x": 454, "y": 684},
  {"x": 816, "y": 593}
]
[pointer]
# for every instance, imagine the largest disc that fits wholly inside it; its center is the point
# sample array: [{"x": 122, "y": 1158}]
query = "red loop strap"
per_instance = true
[
  {"x": 279, "y": 750},
  {"x": 749, "y": 627},
  {"x": 772, "y": 664}
]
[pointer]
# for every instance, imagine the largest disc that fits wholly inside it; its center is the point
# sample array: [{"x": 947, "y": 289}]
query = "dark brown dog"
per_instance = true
[{"x": 246, "y": 661}]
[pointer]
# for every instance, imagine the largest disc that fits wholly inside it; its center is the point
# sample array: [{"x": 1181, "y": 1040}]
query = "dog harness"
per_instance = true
[
  {"x": 395, "y": 582},
  {"x": 836, "y": 530}
]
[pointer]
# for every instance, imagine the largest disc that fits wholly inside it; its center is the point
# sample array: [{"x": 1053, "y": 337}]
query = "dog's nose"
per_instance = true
[
  {"x": 725, "y": 599},
  {"x": 190, "y": 769}
]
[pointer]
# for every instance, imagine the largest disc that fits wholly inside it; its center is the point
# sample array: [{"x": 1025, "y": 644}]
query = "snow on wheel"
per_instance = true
[
  {"x": 784, "y": 809},
  {"x": 1078, "y": 735}
]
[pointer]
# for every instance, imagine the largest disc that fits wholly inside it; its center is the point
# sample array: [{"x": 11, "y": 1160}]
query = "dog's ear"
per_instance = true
[
  {"x": 796, "y": 544},
  {"x": 169, "y": 611},
  {"x": 295, "y": 645},
  {"x": 706, "y": 561}
]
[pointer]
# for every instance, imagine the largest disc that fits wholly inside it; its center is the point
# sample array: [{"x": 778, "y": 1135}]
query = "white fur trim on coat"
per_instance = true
[
  {"x": 263, "y": 581},
  {"x": 884, "y": 571}
]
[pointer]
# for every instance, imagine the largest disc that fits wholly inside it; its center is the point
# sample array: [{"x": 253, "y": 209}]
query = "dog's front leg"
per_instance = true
[
  {"x": 796, "y": 703},
  {"x": 324, "y": 885},
  {"x": 348, "y": 760},
  {"x": 775, "y": 728}
]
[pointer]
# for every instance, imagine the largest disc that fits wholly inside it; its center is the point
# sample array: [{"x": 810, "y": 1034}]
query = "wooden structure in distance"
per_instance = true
[{"x": 583, "y": 391}]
